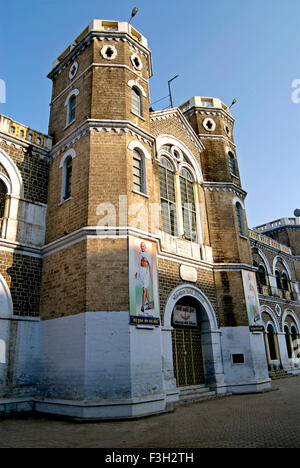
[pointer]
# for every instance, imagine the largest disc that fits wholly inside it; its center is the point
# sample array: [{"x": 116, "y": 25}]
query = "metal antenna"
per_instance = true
[{"x": 171, "y": 101}]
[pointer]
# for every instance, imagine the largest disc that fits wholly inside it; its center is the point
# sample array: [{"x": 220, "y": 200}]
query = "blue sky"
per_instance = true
[{"x": 244, "y": 49}]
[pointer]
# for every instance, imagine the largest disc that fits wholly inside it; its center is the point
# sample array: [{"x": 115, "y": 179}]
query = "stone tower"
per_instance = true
[
  {"x": 99, "y": 117},
  {"x": 212, "y": 121}
]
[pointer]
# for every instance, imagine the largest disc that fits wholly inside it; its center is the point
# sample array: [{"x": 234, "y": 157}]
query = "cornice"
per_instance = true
[
  {"x": 23, "y": 145},
  {"x": 211, "y": 111},
  {"x": 100, "y": 36},
  {"x": 216, "y": 137},
  {"x": 262, "y": 245},
  {"x": 237, "y": 267},
  {"x": 21, "y": 249},
  {"x": 224, "y": 187},
  {"x": 96, "y": 126}
]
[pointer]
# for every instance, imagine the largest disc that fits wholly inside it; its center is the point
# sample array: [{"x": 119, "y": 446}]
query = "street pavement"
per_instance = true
[{"x": 262, "y": 420}]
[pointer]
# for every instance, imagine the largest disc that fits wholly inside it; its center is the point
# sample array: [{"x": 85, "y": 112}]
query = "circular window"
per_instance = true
[
  {"x": 177, "y": 153},
  {"x": 209, "y": 124},
  {"x": 108, "y": 52},
  {"x": 73, "y": 70},
  {"x": 136, "y": 61}
]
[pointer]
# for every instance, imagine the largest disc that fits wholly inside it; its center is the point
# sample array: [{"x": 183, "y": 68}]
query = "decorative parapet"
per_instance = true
[
  {"x": 207, "y": 105},
  {"x": 256, "y": 236},
  {"x": 23, "y": 133},
  {"x": 103, "y": 30},
  {"x": 278, "y": 224}
]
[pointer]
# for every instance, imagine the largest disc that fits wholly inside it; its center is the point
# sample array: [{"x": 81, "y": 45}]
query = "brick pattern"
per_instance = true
[
  {"x": 169, "y": 279},
  {"x": 33, "y": 169},
  {"x": 64, "y": 282},
  {"x": 22, "y": 274},
  {"x": 231, "y": 299}
]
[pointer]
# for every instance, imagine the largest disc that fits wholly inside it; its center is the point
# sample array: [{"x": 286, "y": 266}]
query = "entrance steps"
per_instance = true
[
  {"x": 195, "y": 394},
  {"x": 278, "y": 374}
]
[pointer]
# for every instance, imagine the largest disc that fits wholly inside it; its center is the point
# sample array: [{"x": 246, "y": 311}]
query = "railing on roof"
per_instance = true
[{"x": 268, "y": 241}]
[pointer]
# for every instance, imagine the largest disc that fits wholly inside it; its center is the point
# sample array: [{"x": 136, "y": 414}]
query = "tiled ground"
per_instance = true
[{"x": 270, "y": 419}]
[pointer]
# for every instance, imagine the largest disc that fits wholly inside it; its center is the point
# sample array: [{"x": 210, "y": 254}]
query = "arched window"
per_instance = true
[
  {"x": 284, "y": 281},
  {"x": 139, "y": 180},
  {"x": 231, "y": 161},
  {"x": 167, "y": 197},
  {"x": 288, "y": 341},
  {"x": 178, "y": 192},
  {"x": 71, "y": 109},
  {"x": 271, "y": 342},
  {"x": 3, "y": 193},
  {"x": 67, "y": 178},
  {"x": 295, "y": 342},
  {"x": 278, "y": 279},
  {"x": 240, "y": 219},
  {"x": 136, "y": 101},
  {"x": 188, "y": 205},
  {"x": 261, "y": 275}
]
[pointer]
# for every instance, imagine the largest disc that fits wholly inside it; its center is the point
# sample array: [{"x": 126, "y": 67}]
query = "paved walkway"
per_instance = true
[{"x": 269, "y": 420}]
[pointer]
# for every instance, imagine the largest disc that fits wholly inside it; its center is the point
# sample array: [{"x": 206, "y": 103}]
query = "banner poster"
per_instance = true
[
  {"x": 143, "y": 282},
  {"x": 251, "y": 296},
  {"x": 185, "y": 315}
]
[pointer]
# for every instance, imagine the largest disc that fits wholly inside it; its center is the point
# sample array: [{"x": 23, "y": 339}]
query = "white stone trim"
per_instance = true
[
  {"x": 171, "y": 140},
  {"x": 238, "y": 200},
  {"x": 74, "y": 92},
  {"x": 293, "y": 315},
  {"x": 136, "y": 144},
  {"x": 6, "y": 303},
  {"x": 103, "y": 51},
  {"x": 132, "y": 58},
  {"x": 71, "y": 152},
  {"x": 272, "y": 314},
  {"x": 13, "y": 173},
  {"x": 191, "y": 291},
  {"x": 132, "y": 83},
  {"x": 279, "y": 258},
  {"x": 72, "y": 75},
  {"x": 264, "y": 259},
  {"x": 205, "y": 122}
]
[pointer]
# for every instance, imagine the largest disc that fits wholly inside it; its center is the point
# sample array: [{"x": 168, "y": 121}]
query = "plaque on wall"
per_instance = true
[
  {"x": 188, "y": 273},
  {"x": 185, "y": 315}
]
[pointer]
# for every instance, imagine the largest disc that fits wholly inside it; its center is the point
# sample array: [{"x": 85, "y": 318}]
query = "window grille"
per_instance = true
[
  {"x": 136, "y": 102},
  {"x": 68, "y": 178},
  {"x": 138, "y": 172},
  {"x": 72, "y": 109},
  {"x": 167, "y": 198},
  {"x": 188, "y": 205},
  {"x": 231, "y": 161}
]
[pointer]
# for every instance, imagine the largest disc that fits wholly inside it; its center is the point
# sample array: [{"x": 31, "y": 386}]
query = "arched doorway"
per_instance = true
[
  {"x": 200, "y": 346},
  {"x": 187, "y": 344}
]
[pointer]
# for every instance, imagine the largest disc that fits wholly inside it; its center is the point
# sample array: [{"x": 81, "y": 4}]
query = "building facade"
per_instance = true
[{"x": 128, "y": 272}]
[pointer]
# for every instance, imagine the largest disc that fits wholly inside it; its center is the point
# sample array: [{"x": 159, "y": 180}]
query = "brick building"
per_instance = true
[{"x": 128, "y": 274}]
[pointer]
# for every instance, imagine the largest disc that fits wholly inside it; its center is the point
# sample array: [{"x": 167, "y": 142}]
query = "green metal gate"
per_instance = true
[{"x": 187, "y": 356}]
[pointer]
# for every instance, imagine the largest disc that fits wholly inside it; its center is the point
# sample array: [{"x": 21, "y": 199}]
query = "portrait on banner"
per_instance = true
[{"x": 143, "y": 283}]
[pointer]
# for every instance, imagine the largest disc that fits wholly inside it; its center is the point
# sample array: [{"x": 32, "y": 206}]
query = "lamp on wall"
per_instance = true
[
  {"x": 233, "y": 102},
  {"x": 133, "y": 13}
]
